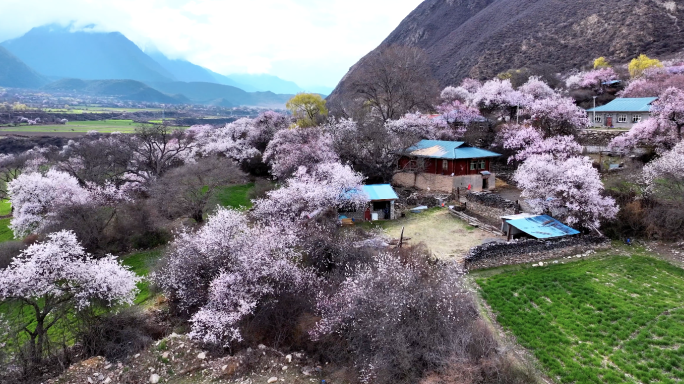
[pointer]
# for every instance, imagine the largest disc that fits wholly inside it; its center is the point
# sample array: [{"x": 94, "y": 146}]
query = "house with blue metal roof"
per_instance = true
[
  {"x": 622, "y": 112},
  {"x": 445, "y": 166}
]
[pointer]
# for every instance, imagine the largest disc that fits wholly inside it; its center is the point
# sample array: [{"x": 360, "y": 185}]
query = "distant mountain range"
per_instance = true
[
  {"x": 89, "y": 62},
  {"x": 15, "y": 73}
]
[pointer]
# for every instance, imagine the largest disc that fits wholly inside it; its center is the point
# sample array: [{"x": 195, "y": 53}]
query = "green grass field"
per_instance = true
[
  {"x": 6, "y": 233},
  {"x": 236, "y": 196},
  {"x": 141, "y": 263},
  {"x": 613, "y": 319},
  {"x": 104, "y": 126}
]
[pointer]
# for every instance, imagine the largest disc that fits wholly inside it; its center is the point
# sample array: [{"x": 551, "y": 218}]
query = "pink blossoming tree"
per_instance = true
[
  {"x": 36, "y": 198},
  {"x": 56, "y": 277},
  {"x": 527, "y": 141},
  {"x": 664, "y": 176},
  {"x": 570, "y": 188},
  {"x": 226, "y": 270},
  {"x": 307, "y": 194},
  {"x": 297, "y": 147},
  {"x": 391, "y": 307}
]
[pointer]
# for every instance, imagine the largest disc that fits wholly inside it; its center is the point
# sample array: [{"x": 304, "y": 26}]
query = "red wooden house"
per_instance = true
[{"x": 446, "y": 165}]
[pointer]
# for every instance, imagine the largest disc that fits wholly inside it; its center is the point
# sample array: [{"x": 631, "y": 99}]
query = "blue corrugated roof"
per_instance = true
[
  {"x": 380, "y": 192},
  {"x": 543, "y": 227},
  {"x": 438, "y": 149},
  {"x": 637, "y": 104}
]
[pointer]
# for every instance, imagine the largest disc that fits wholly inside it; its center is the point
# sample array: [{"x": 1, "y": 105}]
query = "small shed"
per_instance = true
[
  {"x": 536, "y": 226},
  {"x": 382, "y": 198},
  {"x": 381, "y": 206}
]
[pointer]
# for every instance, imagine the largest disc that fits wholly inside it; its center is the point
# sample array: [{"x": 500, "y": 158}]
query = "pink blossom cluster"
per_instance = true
[
  {"x": 417, "y": 125},
  {"x": 668, "y": 170},
  {"x": 386, "y": 296},
  {"x": 499, "y": 93},
  {"x": 557, "y": 116},
  {"x": 60, "y": 268},
  {"x": 36, "y": 197},
  {"x": 595, "y": 79},
  {"x": 309, "y": 193},
  {"x": 528, "y": 141},
  {"x": 537, "y": 89},
  {"x": 291, "y": 149},
  {"x": 227, "y": 269},
  {"x": 571, "y": 188}
]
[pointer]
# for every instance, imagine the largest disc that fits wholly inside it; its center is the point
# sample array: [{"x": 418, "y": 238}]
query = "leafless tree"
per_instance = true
[
  {"x": 158, "y": 148},
  {"x": 395, "y": 81},
  {"x": 98, "y": 159},
  {"x": 190, "y": 189}
]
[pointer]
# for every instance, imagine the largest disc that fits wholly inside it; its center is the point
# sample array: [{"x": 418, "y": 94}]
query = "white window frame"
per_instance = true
[
  {"x": 622, "y": 119},
  {"x": 598, "y": 119},
  {"x": 636, "y": 119},
  {"x": 445, "y": 165}
]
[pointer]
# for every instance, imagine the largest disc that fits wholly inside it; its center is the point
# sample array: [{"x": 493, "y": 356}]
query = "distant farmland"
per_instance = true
[{"x": 104, "y": 126}]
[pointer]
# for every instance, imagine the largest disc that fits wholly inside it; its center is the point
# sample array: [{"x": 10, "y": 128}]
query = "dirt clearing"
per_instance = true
[{"x": 446, "y": 236}]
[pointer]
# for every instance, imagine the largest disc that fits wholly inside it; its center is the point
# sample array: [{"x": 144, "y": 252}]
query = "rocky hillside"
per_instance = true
[{"x": 481, "y": 38}]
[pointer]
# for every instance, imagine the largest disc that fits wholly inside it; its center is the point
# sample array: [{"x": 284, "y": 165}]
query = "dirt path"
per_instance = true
[{"x": 446, "y": 236}]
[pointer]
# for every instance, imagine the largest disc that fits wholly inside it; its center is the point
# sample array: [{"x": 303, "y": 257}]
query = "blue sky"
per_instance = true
[{"x": 311, "y": 42}]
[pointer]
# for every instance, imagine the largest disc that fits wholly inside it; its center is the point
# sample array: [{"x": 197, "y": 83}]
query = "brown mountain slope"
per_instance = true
[{"x": 481, "y": 38}]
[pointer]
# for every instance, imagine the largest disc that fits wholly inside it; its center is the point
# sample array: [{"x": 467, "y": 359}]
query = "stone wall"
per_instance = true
[
  {"x": 492, "y": 255},
  {"x": 595, "y": 138},
  {"x": 441, "y": 183},
  {"x": 490, "y": 206}
]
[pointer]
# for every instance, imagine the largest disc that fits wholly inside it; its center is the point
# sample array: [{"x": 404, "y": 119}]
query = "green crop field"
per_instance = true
[
  {"x": 104, "y": 126},
  {"x": 612, "y": 319}
]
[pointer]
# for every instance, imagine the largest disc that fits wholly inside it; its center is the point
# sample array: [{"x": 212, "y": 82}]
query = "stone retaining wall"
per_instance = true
[
  {"x": 590, "y": 137},
  {"x": 489, "y": 205},
  {"x": 492, "y": 255}
]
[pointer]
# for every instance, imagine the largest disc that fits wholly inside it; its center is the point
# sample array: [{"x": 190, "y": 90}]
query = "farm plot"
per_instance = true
[{"x": 615, "y": 319}]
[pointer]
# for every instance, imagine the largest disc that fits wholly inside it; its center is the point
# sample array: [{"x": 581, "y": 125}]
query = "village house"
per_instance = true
[
  {"x": 622, "y": 113},
  {"x": 444, "y": 166}
]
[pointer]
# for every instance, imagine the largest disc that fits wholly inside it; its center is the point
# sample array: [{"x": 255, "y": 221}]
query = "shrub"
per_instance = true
[
  {"x": 115, "y": 336},
  {"x": 401, "y": 317}
]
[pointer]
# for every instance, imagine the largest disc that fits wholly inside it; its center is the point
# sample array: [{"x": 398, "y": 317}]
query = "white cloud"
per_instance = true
[{"x": 307, "y": 41}]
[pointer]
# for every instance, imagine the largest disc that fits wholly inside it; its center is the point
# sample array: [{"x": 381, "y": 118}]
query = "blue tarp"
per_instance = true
[
  {"x": 543, "y": 227},
  {"x": 438, "y": 149},
  {"x": 635, "y": 104},
  {"x": 380, "y": 192}
]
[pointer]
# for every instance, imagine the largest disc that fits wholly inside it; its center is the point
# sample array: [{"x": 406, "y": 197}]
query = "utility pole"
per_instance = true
[{"x": 594, "y": 123}]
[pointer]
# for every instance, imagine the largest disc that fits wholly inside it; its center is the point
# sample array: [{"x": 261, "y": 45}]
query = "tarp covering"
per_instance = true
[{"x": 543, "y": 227}]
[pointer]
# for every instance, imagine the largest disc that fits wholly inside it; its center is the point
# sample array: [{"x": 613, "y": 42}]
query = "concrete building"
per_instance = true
[
  {"x": 621, "y": 113},
  {"x": 444, "y": 166}
]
